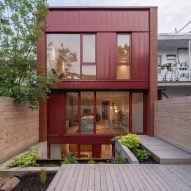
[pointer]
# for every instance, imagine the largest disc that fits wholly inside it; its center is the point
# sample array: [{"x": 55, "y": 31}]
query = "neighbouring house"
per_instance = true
[
  {"x": 106, "y": 58},
  {"x": 174, "y": 65}
]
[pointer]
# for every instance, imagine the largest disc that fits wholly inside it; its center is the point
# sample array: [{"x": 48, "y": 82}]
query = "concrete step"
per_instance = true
[{"x": 163, "y": 152}]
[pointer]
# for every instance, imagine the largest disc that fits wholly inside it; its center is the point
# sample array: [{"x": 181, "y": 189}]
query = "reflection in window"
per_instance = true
[
  {"x": 123, "y": 56},
  {"x": 88, "y": 48},
  {"x": 87, "y": 112},
  {"x": 89, "y": 72},
  {"x": 88, "y": 63},
  {"x": 72, "y": 127},
  {"x": 63, "y": 55},
  {"x": 71, "y": 104}
]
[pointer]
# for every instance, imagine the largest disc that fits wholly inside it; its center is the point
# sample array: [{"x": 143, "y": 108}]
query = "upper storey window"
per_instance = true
[
  {"x": 123, "y": 56},
  {"x": 71, "y": 56},
  {"x": 88, "y": 63}
]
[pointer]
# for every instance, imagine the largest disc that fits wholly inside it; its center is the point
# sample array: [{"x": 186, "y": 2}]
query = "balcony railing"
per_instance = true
[{"x": 174, "y": 72}]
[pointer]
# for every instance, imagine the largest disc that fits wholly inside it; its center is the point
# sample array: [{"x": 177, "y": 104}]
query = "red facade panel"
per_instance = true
[
  {"x": 56, "y": 114},
  {"x": 106, "y": 56},
  {"x": 74, "y": 20},
  {"x": 140, "y": 56}
]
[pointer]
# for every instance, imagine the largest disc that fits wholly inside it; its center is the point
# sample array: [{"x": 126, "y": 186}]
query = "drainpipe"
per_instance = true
[{"x": 189, "y": 57}]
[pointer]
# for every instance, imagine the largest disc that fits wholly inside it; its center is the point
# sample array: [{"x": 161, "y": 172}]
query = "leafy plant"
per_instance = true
[
  {"x": 91, "y": 162},
  {"x": 142, "y": 154},
  {"x": 27, "y": 160},
  {"x": 43, "y": 176},
  {"x": 120, "y": 160},
  {"x": 70, "y": 159},
  {"x": 131, "y": 141},
  {"x": 21, "y": 28}
]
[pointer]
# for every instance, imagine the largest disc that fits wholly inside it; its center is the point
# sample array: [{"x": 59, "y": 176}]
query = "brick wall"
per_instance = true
[
  {"x": 173, "y": 121},
  {"x": 18, "y": 128}
]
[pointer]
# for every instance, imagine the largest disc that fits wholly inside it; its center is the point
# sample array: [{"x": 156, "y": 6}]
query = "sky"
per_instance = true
[{"x": 172, "y": 14}]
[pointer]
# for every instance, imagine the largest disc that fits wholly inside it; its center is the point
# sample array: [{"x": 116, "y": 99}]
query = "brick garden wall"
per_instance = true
[
  {"x": 18, "y": 128},
  {"x": 173, "y": 121}
]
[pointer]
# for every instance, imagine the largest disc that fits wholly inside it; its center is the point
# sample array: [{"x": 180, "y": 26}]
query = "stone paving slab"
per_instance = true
[{"x": 164, "y": 152}]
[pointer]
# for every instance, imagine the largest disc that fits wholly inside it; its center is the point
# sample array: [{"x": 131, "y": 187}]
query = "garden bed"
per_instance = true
[
  {"x": 133, "y": 155},
  {"x": 31, "y": 182}
]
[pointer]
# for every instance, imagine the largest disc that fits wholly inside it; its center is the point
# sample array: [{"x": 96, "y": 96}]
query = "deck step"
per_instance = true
[{"x": 163, "y": 152}]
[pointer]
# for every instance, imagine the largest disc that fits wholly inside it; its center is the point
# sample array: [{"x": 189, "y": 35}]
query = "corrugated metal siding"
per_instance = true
[
  {"x": 55, "y": 114},
  {"x": 106, "y": 56},
  {"x": 97, "y": 20},
  {"x": 140, "y": 56}
]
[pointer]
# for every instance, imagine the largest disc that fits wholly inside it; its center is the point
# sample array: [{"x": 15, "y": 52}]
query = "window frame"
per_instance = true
[
  {"x": 130, "y": 55},
  {"x": 81, "y": 34}
]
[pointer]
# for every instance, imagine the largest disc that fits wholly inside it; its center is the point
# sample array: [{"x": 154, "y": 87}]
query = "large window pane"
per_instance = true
[
  {"x": 137, "y": 112},
  {"x": 87, "y": 112},
  {"x": 63, "y": 55},
  {"x": 112, "y": 112},
  {"x": 123, "y": 56},
  {"x": 89, "y": 72},
  {"x": 72, "y": 104},
  {"x": 123, "y": 48},
  {"x": 88, "y": 48}
]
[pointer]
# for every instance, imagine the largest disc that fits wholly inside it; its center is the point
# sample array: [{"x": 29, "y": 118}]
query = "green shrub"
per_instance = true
[
  {"x": 142, "y": 154},
  {"x": 131, "y": 141},
  {"x": 43, "y": 176},
  {"x": 71, "y": 159},
  {"x": 27, "y": 160},
  {"x": 91, "y": 162},
  {"x": 120, "y": 160}
]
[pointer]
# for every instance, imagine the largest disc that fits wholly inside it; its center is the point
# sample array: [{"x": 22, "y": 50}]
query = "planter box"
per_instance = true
[{"x": 125, "y": 153}]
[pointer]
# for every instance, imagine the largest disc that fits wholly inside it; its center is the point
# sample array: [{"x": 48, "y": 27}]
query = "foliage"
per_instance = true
[
  {"x": 131, "y": 141},
  {"x": 70, "y": 159},
  {"x": 43, "y": 176},
  {"x": 21, "y": 28},
  {"x": 142, "y": 154},
  {"x": 91, "y": 162},
  {"x": 27, "y": 160},
  {"x": 120, "y": 160}
]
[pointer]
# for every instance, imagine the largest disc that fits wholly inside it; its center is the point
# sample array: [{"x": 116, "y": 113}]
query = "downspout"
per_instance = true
[{"x": 189, "y": 57}]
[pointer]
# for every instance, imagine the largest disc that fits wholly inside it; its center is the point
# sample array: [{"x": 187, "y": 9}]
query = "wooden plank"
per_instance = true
[
  {"x": 168, "y": 177},
  {"x": 164, "y": 184},
  {"x": 98, "y": 178},
  {"x": 129, "y": 184},
  {"x": 143, "y": 178},
  {"x": 62, "y": 173},
  {"x": 91, "y": 185},
  {"x": 79, "y": 185},
  {"x": 115, "y": 170},
  {"x": 108, "y": 178},
  {"x": 103, "y": 181},
  {"x": 182, "y": 176},
  {"x": 67, "y": 171},
  {"x": 133, "y": 178},
  {"x": 114, "y": 178},
  {"x": 85, "y": 178},
  {"x": 75, "y": 177}
]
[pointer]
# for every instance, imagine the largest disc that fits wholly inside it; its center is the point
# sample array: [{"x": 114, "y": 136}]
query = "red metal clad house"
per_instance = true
[{"x": 106, "y": 58}]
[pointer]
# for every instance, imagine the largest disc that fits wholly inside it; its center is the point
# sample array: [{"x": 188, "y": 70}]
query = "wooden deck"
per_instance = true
[{"x": 114, "y": 177}]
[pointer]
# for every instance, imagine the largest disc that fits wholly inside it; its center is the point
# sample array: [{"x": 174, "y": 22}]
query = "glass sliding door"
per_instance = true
[
  {"x": 87, "y": 112},
  {"x": 72, "y": 120},
  {"x": 137, "y": 112},
  {"x": 112, "y": 112}
]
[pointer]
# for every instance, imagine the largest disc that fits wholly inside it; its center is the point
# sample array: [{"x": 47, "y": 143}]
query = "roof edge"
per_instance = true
[{"x": 100, "y": 7}]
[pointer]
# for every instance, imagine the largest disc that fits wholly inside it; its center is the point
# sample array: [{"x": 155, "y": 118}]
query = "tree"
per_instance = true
[{"x": 21, "y": 27}]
